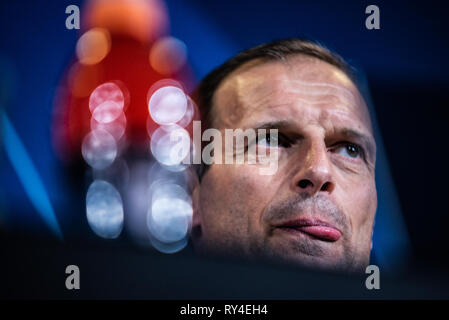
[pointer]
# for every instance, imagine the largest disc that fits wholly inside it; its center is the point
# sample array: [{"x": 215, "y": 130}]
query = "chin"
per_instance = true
[{"x": 325, "y": 261}]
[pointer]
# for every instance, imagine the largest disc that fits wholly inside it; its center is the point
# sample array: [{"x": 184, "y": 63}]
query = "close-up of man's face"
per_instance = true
[{"x": 318, "y": 208}]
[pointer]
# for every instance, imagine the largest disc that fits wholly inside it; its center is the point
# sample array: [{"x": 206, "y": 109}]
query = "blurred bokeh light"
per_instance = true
[
  {"x": 104, "y": 209},
  {"x": 168, "y": 55},
  {"x": 93, "y": 46}
]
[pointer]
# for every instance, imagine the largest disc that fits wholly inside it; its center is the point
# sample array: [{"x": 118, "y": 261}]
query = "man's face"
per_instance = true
[{"x": 318, "y": 208}]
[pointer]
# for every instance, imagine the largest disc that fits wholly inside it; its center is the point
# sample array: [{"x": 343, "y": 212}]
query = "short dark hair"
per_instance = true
[{"x": 273, "y": 51}]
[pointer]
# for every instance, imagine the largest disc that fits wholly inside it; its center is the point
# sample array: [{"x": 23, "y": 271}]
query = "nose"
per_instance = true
[{"x": 314, "y": 170}]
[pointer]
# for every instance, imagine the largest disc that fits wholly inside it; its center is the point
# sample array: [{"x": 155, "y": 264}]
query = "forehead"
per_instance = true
[{"x": 299, "y": 83}]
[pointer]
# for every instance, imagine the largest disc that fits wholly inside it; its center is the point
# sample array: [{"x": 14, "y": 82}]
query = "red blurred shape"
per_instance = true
[{"x": 133, "y": 26}]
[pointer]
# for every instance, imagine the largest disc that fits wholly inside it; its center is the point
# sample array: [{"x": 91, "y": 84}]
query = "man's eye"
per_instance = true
[
  {"x": 277, "y": 140},
  {"x": 349, "y": 150},
  {"x": 265, "y": 141}
]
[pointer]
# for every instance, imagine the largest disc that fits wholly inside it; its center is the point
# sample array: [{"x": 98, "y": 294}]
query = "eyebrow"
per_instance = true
[
  {"x": 273, "y": 124},
  {"x": 277, "y": 124}
]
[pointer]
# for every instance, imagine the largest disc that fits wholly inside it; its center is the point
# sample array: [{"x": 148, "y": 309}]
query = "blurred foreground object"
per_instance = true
[{"x": 123, "y": 93}]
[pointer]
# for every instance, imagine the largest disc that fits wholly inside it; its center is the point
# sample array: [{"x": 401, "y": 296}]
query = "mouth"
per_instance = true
[{"x": 316, "y": 229}]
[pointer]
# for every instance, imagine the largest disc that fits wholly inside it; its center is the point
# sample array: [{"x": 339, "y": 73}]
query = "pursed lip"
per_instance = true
[{"x": 315, "y": 228}]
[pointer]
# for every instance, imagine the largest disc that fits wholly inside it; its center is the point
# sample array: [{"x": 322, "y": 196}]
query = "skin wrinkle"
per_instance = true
[
  {"x": 314, "y": 103},
  {"x": 240, "y": 103},
  {"x": 325, "y": 85},
  {"x": 325, "y": 90}
]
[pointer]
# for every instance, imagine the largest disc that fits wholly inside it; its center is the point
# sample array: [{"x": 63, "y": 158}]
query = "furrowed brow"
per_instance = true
[{"x": 278, "y": 124}]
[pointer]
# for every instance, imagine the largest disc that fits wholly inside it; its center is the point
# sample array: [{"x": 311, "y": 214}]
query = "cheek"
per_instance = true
[
  {"x": 233, "y": 198},
  {"x": 359, "y": 201}
]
